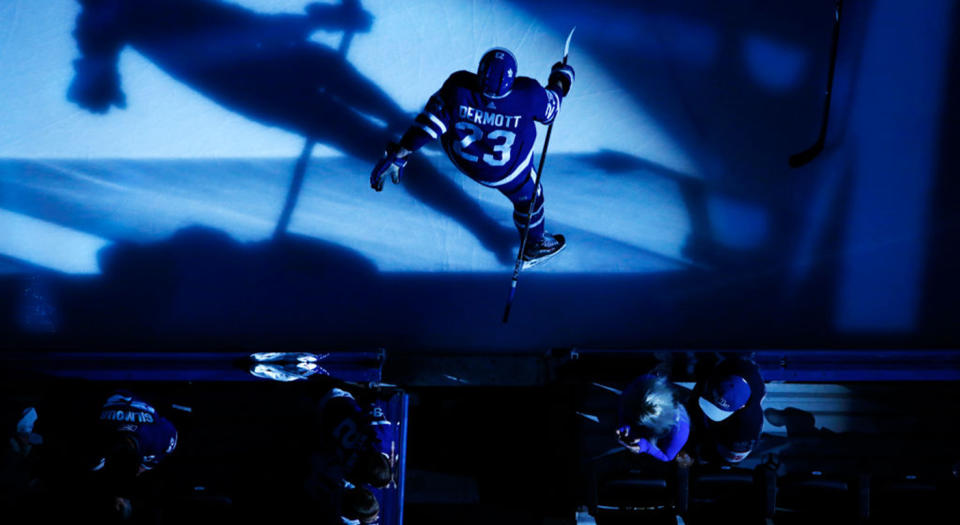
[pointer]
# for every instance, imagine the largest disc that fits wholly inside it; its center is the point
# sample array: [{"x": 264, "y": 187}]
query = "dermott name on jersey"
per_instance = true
[{"x": 479, "y": 116}]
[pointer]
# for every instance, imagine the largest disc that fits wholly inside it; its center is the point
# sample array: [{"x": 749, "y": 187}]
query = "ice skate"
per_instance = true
[
  {"x": 286, "y": 366},
  {"x": 536, "y": 253}
]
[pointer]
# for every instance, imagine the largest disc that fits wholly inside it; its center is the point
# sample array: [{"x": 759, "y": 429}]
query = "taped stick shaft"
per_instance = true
[{"x": 536, "y": 190}]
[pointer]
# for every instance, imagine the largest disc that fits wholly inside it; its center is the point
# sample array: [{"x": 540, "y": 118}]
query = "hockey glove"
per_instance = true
[
  {"x": 561, "y": 75},
  {"x": 392, "y": 163}
]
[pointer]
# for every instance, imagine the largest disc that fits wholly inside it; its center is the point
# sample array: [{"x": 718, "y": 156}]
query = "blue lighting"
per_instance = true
[
  {"x": 775, "y": 65},
  {"x": 220, "y": 182},
  {"x": 738, "y": 225}
]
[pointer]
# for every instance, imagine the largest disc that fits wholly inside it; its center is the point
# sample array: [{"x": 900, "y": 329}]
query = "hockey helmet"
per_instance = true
[{"x": 498, "y": 69}]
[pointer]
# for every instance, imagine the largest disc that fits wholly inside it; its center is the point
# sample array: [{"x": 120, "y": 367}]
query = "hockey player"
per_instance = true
[
  {"x": 485, "y": 122},
  {"x": 349, "y": 436},
  {"x": 136, "y": 432},
  {"x": 134, "y": 439},
  {"x": 346, "y": 459}
]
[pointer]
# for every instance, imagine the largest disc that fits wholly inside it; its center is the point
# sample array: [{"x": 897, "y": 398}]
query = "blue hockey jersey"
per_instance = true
[
  {"x": 344, "y": 430},
  {"x": 157, "y": 436},
  {"x": 344, "y": 427},
  {"x": 489, "y": 139}
]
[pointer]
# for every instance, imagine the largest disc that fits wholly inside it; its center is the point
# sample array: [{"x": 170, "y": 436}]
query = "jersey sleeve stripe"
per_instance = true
[
  {"x": 428, "y": 130},
  {"x": 554, "y": 97},
  {"x": 553, "y": 106},
  {"x": 437, "y": 121},
  {"x": 519, "y": 170}
]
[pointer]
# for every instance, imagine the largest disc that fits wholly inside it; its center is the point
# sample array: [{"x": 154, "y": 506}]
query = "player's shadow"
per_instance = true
[
  {"x": 202, "y": 282},
  {"x": 266, "y": 68},
  {"x": 699, "y": 246}
]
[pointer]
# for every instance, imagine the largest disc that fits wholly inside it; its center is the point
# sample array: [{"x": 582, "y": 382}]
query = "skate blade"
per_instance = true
[
  {"x": 274, "y": 357},
  {"x": 287, "y": 372},
  {"x": 275, "y": 373},
  {"x": 545, "y": 258}
]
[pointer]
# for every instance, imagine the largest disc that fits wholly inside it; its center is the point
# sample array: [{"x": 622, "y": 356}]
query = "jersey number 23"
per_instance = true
[{"x": 501, "y": 150}]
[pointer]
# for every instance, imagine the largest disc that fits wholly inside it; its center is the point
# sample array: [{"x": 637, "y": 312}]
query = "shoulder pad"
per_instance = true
[
  {"x": 462, "y": 79},
  {"x": 525, "y": 83}
]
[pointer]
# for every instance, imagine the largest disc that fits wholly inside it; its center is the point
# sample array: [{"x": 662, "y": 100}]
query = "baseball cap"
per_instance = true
[{"x": 724, "y": 396}]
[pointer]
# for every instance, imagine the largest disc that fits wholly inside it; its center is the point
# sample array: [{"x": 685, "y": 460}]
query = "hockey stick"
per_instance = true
[
  {"x": 808, "y": 154},
  {"x": 536, "y": 190},
  {"x": 300, "y": 169}
]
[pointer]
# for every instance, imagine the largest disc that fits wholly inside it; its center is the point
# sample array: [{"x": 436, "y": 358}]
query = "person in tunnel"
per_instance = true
[
  {"x": 726, "y": 411},
  {"x": 264, "y": 67},
  {"x": 20, "y": 481},
  {"x": 651, "y": 420},
  {"x": 347, "y": 459},
  {"x": 485, "y": 121},
  {"x": 133, "y": 439}
]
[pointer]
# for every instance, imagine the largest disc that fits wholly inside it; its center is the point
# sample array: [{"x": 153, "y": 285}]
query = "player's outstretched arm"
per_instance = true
[{"x": 429, "y": 125}]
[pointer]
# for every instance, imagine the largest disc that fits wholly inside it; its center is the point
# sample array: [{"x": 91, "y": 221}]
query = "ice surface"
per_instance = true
[{"x": 667, "y": 162}]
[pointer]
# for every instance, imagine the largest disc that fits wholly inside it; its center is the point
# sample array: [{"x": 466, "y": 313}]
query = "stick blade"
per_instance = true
[
  {"x": 804, "y": 157},
  {"x": 566, "y": 46}
]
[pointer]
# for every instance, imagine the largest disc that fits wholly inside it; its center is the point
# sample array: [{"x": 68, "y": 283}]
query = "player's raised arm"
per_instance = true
[{"x": 558, "y": 85}]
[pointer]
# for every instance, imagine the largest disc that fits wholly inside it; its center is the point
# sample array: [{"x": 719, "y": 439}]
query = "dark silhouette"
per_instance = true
[
  {"x": 201, "y": 280},
  {"x": 740, "y": 131},
  {"x": 264, "y": 67},
  {"x": 699, "y": 245},
  {"x": 799, "y": 423}
]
